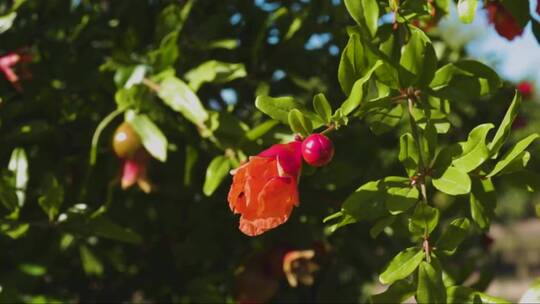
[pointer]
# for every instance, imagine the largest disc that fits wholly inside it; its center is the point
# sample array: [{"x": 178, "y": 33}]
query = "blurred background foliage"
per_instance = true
[{"x": 177, "y": 244}]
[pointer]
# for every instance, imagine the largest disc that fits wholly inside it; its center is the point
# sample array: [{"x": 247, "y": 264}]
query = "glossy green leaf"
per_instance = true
[
  {"x": 512, "y": 154},
  {"x": 34, "y": 270},
  {"x": 380, "y": 225},
  {"x": 505, "y": 127},
  {"x": 299, "y": 123},
  {"x": 402, "y": 265},
  {"x": 322, "y": 107},
  {"x": 366, "y": 203},
  {"x": 474, "y": 150},
  {"x": 153, "y": 140},
  {"x": 466, "y": 10},
  {"x": 424, "y": 220},
  {"x": 278, "y": 108},
  {"x": 261, "y": 129},
  {"x": 430, "y": 284},
  {"x": 365, "y": 13},
  {"x": 454, "y": 234},
  {"x": 179, "y": 97},
  {"x": 401, "y": 197},
  {"x": 217, "y": 170},
  {"x": 483, "y": 202},
  {"x": 418, "y": 61},
  {"x": 398, "y": 292},
  {"x": 353, "y": 63},
  {"x": 453, "y": 181},
  {"x": 214, "y": 71},
  {"x": 382, "y": 120},
  {"x": 53, "y": 196},
  {"x": 18, "y": 164},
  {"x": 358, "y": 91},
  {"x": 408, "y": 153},
  {"x": 465, "y": 80}
]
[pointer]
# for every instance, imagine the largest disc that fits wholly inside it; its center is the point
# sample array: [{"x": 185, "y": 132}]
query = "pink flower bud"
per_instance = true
[{"x": 317, "y": 150}]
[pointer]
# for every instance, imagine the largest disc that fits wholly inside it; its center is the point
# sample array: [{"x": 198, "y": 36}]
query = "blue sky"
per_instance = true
[{"x": 514, "y": 60}]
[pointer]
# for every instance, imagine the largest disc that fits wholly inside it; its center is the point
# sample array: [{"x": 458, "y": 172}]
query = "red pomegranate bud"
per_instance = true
[
  {"x": 505, "y": 24},
  {"x": 317, "y": 150},
  {"x": 525, "y": 88},
  {"x": 538, "y": 7}
]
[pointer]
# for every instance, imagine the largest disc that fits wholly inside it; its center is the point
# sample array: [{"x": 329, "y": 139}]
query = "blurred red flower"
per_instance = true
[
  {"x": 8, "y": 63},
  {"x": 505, "y": 24},
  {"x": 264, "y": 190}
]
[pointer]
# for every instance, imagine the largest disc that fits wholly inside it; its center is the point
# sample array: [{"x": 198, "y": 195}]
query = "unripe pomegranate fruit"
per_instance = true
[
  {"x": 317, "y": 150},
  {"x": 126, "y": 142}
]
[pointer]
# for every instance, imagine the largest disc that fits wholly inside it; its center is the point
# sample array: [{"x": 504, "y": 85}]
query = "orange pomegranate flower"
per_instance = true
[
  {"x": 505, "y": 24},
  {"x": 264, "y": 190}
]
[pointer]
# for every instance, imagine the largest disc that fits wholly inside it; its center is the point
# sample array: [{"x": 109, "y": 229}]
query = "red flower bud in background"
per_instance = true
[
  {"x": 317, "y": 150},
  {"x": 526, "y": 89},
  {"x": 538, "y": 7},
  {"x": 9, "y": 61},
  {"x": 128, "y": 146},
  {"x": 264, "y": 190},
  {"x": 505, "y": 24}
]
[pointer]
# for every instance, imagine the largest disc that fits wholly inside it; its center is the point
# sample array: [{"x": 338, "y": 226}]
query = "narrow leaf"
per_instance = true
[
  {"x": 217, "y": 170},
  {"x": 402, "y": 265},
  {"x": 153, "y": 140}
]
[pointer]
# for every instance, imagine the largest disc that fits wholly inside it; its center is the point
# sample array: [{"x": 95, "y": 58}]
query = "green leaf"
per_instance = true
[
  {"x": 523, "y": 179},
  {"x": 402, "y": 265},
  {"x": 91, "y": 264},
  {"x": 261, "y": 129},
  {"x": 408, "y": 153},
  {"x": 382, "y": 120},
  {"x": 430, "y": 284},
  {"x": 167, "y": 53},
  {"x": 365, "y": 13},
  {"x": 153, "y": 140},
  {"x": 453, "y": 181},
  {"x": 465, "y": 80},
  {"x": 512, "y": 154},
  {"x": 454, "y": 234},
  {"x": 506, "y": 124},
  {"x": 366, "y": 203},
  {"x": 104, "y": 227},
  {"x": 6, "y": 21},
  {"x": 398, "y": 292},
  {"x": 401, "y": 197},
  {"x": 217, "y": 170},
  {"x": 483, "y": 202},
  {"x": 418, "y": 60},
  {"x": 278, "y": 108},
  {"x": 380, "y": 225},
  {"x": 474, "y": 150},
  {"x": 34, "y": 270},
  {"x": 53, "y": 196},
  {"x": 214, "y": 71},
  {"x": 462, "y": 294},
  {"x": 352, "y": 64},
  {"x": 517, "y": 164},
  {"x": 466, "y": 10},
  {"x": 14, "y": 230},
  {"x": 179, "y": 97},
  {"x": 299, "y": 124},
  {"x": 18, "y": 164},
  {"x": 190, "y": 160},
  {"x": 424, "y": 220},
  {"x": 322, "y": 107}
]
